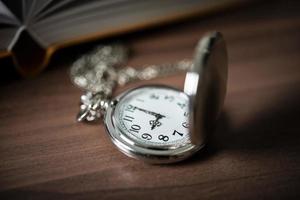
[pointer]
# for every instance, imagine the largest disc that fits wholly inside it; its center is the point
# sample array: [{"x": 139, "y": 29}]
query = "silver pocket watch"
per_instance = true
[{"x": 154, "y": 123}]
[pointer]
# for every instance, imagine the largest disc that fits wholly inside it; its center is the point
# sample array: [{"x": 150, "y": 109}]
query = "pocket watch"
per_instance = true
[{"x": 154, "y": 123}]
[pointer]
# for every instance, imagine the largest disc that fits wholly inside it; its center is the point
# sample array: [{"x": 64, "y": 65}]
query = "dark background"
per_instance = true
[{"x": 253, "y": 154}]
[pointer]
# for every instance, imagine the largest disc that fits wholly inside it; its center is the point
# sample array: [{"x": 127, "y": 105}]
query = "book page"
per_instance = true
[
  {"x": 6, "y": 16},
  {"x": 74, "y": 21}
]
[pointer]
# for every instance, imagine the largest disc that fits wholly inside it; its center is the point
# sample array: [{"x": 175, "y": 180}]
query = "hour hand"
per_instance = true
[{"x": 154, "y": 123}]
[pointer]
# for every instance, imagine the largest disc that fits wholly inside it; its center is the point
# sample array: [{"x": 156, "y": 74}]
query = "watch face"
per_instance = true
[{"x": 154, "y": 116}]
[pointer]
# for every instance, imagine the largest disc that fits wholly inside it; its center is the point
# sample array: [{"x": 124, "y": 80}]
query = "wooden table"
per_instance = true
[{"x": 255, "y": 150}]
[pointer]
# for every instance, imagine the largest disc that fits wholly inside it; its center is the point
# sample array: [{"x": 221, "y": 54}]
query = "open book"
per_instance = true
[{"x": 31, "y": 30}]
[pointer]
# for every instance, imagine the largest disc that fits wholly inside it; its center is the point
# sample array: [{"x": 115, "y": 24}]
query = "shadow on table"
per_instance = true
[{"x": 275, "y": 127}]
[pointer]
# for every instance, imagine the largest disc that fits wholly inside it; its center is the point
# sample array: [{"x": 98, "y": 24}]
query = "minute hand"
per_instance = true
[{"x": 150, "y": 112}]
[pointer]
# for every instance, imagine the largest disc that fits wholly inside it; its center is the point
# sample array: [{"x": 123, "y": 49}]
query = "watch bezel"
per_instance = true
[{"x": 148, "y": 153}]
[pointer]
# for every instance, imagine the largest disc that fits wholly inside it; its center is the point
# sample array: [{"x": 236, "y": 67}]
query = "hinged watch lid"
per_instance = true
[{"x": 205, "y": 83}]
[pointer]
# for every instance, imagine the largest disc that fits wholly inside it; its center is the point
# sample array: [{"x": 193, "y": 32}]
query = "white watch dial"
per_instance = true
[{"x": 155, "y": 116}]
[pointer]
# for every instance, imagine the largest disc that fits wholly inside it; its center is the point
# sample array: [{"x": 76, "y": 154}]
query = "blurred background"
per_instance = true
[{"x": 45, "y": 154}]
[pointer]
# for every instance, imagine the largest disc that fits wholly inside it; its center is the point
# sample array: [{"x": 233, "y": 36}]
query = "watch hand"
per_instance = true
[
  {"x": 150, "y": 112},
  {"x": 155, "y": 122}
]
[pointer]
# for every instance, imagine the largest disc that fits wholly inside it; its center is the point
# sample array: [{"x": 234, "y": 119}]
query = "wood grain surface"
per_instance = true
[{"x": 253, "y": 154}]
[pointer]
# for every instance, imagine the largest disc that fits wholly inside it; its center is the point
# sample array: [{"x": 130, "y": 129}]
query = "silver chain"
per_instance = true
[{"x": 97, "y": 74}]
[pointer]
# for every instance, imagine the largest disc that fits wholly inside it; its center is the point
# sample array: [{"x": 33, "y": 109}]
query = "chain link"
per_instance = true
[
  {"x": 130, "y": 74},
  {"x": 97, "y": 75}
]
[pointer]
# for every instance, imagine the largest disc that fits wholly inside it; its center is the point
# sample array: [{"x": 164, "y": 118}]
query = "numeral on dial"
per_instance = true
[
  {"x": 146, "y": 136},
  {"x": 185, "y": 125},
  {"x": 181, "y": 105},
  {"x": 130, "y": 108},
  {"x": 176, "y": 132},
  {"x": 170, "y": 98},
  {"x": 163, "y": 138},
  {"x": 135, "y": 128},
  {"x": 128, "y": 118},
  {"x": 154, "y": 96},
  {"x": 186, "y": 114}
]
